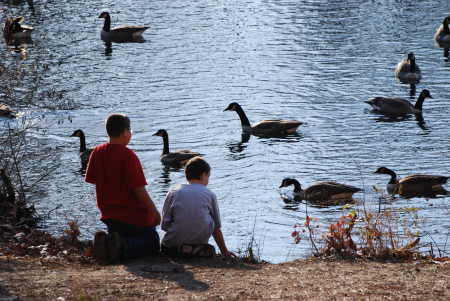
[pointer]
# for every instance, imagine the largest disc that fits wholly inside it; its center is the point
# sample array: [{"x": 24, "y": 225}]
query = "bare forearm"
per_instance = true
[{"x": 218, "y": 237}]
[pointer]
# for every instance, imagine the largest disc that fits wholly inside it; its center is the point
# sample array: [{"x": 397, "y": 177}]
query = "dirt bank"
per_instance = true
[{"x": 216, "y": 279}]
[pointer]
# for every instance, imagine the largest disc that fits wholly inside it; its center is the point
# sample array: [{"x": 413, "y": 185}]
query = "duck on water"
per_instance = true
[
  {"x": 14, "y": 30},
  {"x": 398, "y": 106},
  {"x": 408, "y": 72},
  {"x": 264, "y": 128},
  {"x": 325, "y": 193},
  {"x": 442, "y": 36},
  {"x": 176, "y": 159},
  {"x": 124, "y": 33},
  {"x": 84, "y": 152},
  {"x": 414, "y": 185}
]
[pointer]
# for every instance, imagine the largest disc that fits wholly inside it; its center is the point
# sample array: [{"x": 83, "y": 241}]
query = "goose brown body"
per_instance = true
[
  {"x": 407, "y": 71},
  {"x": 386, "y": 105},
  {"x": 5, "y": 111},
  {"x": 13, "y": 29},
  {"x": 264, "y": 128},
  {"x": 322, "y": 192},
  {"x": 442, "y": 35},
  {"x": 176, "y": 159},
  {"x": 123, "y": 33}
]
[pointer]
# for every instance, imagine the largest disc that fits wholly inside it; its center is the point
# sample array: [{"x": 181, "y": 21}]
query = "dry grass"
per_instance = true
[{"x": 362, "y": 233}]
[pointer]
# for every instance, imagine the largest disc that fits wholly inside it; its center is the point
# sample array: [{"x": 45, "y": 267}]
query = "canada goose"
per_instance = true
[
  {"x": 265, "y": 127},
  {"x": 407, "y": 71},
  {"x": 414, "y": 184},
  {"x": 84, "y": 152},
  {"x": 398, "y": 106},
  {"x": 442, "y": 36},
  {"x": 175, "y": 159},
  {"x": 322, "y": 191},
  {"x": 12, "y": 29},
  {"x": 5, "y": 111},
  {"x": 122, "y": 33}
]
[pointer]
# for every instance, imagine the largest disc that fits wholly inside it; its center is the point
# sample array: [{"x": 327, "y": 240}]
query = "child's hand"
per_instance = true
[{"x": 229, "y": 254}]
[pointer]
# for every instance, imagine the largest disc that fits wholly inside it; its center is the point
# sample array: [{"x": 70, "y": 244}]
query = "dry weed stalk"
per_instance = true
[
  {"x": 375, "y": 235},
  {"x": 21, "y": 159},
  {"x": 251, "y": 253}
]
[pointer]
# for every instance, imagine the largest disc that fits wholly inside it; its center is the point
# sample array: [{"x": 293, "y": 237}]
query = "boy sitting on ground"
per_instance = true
[
  {"x": 191, "y": 215},
  {"x": 125, "y": 206}
]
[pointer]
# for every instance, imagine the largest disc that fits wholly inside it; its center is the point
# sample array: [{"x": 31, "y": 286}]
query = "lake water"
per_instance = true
[{"x": 315, "y": 61}]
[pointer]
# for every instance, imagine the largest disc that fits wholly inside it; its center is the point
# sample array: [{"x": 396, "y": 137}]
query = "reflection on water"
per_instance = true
[
  {"x": 19, "y": 46},
  {"x": 313, "y": 61},
  {"x": 291, "y": 138},
  {"x": 238, "y": 147},
  {"x": 108, "y": 49},
  {"x": 164, "y": 179},
  {"x": 399, "y": 118}
]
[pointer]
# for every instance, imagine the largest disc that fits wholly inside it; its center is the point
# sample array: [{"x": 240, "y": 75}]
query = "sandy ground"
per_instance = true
[{"x": 217, "y": 279}]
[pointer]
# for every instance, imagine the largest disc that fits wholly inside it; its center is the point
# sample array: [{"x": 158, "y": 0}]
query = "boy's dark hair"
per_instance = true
[
  {"x": 195, "y": 167},
  {"x": 116, "y": 124}
]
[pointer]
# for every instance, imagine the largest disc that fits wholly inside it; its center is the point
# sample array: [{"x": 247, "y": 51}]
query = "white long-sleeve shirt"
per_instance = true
[{"x": 190, "y": 215}]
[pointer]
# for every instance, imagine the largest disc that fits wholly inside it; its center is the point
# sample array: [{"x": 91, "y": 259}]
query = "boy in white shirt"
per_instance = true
[{"x": 191, "y": 215}]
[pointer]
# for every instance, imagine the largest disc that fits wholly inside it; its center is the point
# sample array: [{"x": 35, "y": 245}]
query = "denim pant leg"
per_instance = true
[
  {"x": 142, "y": 244},
  {"x": 141, "y": 241}
]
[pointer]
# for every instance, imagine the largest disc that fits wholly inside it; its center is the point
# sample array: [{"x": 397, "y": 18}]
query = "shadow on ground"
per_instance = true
[
  {"x": 179, "y": 270},
  {"x": 5, "y": 295}
]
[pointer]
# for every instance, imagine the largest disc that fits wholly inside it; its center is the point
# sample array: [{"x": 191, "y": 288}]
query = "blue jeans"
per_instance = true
[{"x": 140, "y": 241}]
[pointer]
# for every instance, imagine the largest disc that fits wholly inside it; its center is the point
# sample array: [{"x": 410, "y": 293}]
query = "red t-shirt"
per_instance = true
[{"x": 116, "y": 170}]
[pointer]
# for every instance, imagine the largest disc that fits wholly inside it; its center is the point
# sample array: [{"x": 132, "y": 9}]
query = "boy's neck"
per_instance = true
[
  {"x": 196, "y": 181},
  {"x": 117, "y": 140}
]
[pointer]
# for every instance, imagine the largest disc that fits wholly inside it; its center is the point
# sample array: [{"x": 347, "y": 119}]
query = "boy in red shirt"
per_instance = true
[{"x": 125, "y": 206}]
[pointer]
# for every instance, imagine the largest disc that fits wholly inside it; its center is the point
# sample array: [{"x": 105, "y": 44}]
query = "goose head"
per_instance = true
[
  {"x": 426, "y": 94},
  {"x": 104, "y": 15},
  {"x": 160, "y": 133},
  {"x": 384, "y": 170},
  {"x": 77, "y": 133},
  {"x": 15, "y": 26},
  {"x": 12, "y": 25},
  {"x": 446, "y": 20},
  {"x": 234, "y": 106},
  {"x": 288, "y": 182},
  {"x": 411, "y": 57}
]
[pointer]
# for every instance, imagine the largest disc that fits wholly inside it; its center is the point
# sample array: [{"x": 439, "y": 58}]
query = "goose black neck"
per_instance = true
[
  {"x": 445, "y": 26},
  {"x": 244, "y": 120},
  {"x": 82, "y": 142},
  {"x": 419, "y": 102},
  {"x": 107, "y": 24},
  {"x": 166, "y": 143},
  {"x": 412, "y": 63},
  {"x": 297, "y": 186},
  {"x": 393, "y": 175}
]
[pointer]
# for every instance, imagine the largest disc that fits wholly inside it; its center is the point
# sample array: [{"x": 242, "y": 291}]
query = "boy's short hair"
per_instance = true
[
  {"x": 116, "y": 124},
  {"x": 195, "y": 167}
]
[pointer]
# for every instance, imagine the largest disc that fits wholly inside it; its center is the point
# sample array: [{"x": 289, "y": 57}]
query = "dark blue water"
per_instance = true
[{"x": 315, "y": 61}]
